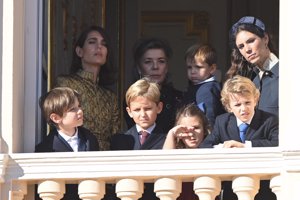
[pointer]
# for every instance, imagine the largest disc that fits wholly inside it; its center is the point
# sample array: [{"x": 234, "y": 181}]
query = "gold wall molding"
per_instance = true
[
  {"x": 66, "y": 20},
  {"x": 196, "y": 22}
]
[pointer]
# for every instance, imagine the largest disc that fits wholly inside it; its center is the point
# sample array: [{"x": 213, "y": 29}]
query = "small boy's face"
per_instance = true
[
  {"x": 243, "y": 107},
  {"x": 71, "y": 118},
  {"x": 199, "y": 71},
  {"x": 144, "y": 111}
]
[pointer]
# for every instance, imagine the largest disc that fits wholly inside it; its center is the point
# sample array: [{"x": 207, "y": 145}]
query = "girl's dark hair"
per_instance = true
[
  {"x": 107, "y": 74},
  {"x": 192, "y": 110},
  {"x": 144, "y": 44}
]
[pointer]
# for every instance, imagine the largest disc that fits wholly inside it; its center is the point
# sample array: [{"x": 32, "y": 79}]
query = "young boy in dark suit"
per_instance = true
[
  {"x": 260, "y": 129},
  {"x": 143, "y": 106},
  {"x": 203, "y": 89},
  {"x": 240, "y": 98},
  {"x": 62, "y": 111}
]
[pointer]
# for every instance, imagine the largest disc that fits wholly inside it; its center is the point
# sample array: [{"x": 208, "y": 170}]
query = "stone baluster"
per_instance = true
[
  {"x": 129, "y": 189},
  {"x": 207, "y": 188},
  {"x": 91, "y": 189},
  {"x": 19, "y": 190},
  {"x": 245, "y": 187},
  {"x": 167, "y": 188},
  {"x": 51, "y": 189},
  {"x": 275, "y": 185}
]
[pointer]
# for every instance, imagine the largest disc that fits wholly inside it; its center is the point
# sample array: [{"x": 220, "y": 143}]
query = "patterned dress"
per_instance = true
[{"x": 100, "y": 107}]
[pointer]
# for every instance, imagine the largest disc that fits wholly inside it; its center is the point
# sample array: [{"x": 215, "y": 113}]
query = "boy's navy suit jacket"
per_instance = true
[
  {"x": 262, "y": 132},
  {"x": 55, "y": 143},
  {"x": 130, "y": 140}
]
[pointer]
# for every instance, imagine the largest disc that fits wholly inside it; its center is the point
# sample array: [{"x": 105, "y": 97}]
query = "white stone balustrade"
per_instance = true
[
  {"x": 245, "y": 187},
  {"x": 51, "y": 189},
  {"x": 275, "y": 185},
  {"x": 167, "y": 188},
  {"x": 91, "y": 189},
  {"x": 129, "y": 189},
  {"x": 207, "y": 188},
  {"x": 167, "y": 169}
]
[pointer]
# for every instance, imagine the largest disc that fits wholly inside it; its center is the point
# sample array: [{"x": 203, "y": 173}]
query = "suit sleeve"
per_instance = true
[
  {"x": 212, "y": 138},
  {"x": 269, "y": 133}
]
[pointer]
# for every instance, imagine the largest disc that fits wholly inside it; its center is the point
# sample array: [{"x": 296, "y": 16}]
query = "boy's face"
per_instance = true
[
  {"x": 71, "y": 118},
  {"x": 144, "y": 111},
  {"x": 242, "y": 106},
  {"x": 199, "y": 71}
]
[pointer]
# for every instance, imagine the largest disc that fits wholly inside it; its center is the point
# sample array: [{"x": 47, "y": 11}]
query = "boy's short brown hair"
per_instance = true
[
  {"x": 58, "y": 101},
  {"x": 143, "y": 88},
  {"x": 238, "y": 85},
  {"x": 203, "y": 53}
]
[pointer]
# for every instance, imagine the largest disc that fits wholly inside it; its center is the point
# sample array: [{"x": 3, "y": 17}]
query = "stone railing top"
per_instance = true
[{"x": 150, "y": 164}]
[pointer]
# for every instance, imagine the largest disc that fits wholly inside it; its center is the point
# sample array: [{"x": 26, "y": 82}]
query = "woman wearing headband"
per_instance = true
[{"x": 253, "y": 56}]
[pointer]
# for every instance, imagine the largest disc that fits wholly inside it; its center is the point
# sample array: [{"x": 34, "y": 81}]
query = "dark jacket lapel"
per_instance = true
[
  {"x": 60, "y": 144},
  {"x": 233, "y": 129},
  {"x": 82, "y": 141}
]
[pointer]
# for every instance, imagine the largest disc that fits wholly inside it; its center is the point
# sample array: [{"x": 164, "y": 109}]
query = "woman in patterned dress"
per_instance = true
[{"x": 92, "y": 72}]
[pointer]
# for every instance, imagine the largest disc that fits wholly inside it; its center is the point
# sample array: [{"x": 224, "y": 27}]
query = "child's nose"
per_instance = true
[
  {"x": 80, "y": 111},
  {"x": 143, "y": 113}
]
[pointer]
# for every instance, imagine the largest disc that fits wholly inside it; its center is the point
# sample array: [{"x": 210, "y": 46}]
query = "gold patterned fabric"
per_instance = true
[{"x": 100, "y": 108}]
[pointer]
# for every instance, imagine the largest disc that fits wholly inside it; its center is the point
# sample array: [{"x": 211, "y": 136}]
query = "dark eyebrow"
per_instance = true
[{"x": 92, "y": 38}]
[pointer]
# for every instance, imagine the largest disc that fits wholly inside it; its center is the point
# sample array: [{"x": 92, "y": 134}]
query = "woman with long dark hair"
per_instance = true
[{"x": 92, "y": 72}]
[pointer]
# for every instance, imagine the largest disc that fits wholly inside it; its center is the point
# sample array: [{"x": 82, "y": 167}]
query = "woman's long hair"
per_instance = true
[{"x": 239, "y": 65}]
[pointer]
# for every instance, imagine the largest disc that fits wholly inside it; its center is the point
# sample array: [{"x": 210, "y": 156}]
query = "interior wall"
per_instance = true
[
  {"x": 217, "y": 33},
  {"x": 68, "y": 19},
  {"x": 222, "y": 14}
]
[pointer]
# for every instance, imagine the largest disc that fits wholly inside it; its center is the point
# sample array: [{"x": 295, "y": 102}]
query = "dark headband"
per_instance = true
[{"x": 248, "y": 20}]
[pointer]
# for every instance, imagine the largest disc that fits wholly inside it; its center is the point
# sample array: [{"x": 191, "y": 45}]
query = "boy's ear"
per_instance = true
[
  {"x": 55, "y": 118},
  {"x": 228, "y": 109},
  {"x": 159, "y": 107},
  {"x": 256, "y": 101},
  {"x": 129, "y": 111},
  {"x": 213, "y": 68}
]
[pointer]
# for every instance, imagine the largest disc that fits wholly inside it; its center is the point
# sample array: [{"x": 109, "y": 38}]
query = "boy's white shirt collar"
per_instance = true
[
  {"x": 212, "y": 78},
  {"x": 149, "y": 130},
  {"x": 239, "y": 122},
  {"x": 70, "y": 139}
]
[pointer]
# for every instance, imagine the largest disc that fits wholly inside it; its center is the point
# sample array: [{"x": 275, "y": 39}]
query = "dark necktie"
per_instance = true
[
  {"x": 243, "y": 128},
  {"x": 144, "y": 135}
]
